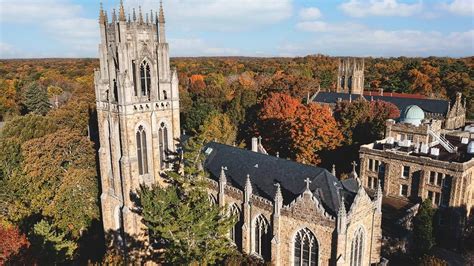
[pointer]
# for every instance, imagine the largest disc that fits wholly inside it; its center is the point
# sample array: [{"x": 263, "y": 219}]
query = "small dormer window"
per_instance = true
[{"x": 145, "y": 78}]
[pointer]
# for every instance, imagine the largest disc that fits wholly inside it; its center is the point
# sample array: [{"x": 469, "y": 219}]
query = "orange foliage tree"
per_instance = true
[
  {"x": 12, "y": 242},
  {"x": 296, "y": 130}
]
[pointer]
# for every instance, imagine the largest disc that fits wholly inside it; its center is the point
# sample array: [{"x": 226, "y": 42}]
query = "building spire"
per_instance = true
[
  {"x": 114, "y": 15},
  {"x": 162, "y": 13},
  {"x": 134, "y": 15},
  {"x": 151, "y": 16},
  {"x": 342, "y": 218},
  {"x": 140, "y": 15},
  {"x": 222, "y": 177},
  {"x": 101, "y": 14},
  {"x": 121, "y": 12}
]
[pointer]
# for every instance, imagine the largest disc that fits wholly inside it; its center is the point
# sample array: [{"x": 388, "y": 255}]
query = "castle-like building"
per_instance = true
[
  {"x": 137, "y": 100},
  {"x": 289, "y": 213}
]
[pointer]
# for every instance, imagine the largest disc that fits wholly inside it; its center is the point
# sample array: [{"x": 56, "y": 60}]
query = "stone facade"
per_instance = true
[
  {"x": 350, "y": 76},
  {"x": 417, "y": 162},
  {"x": 137, "y": 99},
  {"x": 334, "y": 234}
]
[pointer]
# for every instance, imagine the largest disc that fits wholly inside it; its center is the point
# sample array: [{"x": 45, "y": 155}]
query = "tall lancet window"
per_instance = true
[
  {"x": 357, "y": 248},
  {"x": 145, "y": 78},
  {"x": 306, "y": 248},
  {"x": 236, "y": 231},
  {"x": 163, "y": 145},
  {"x": 142, "y": 151},
  {"x": 262, "y": 238}
]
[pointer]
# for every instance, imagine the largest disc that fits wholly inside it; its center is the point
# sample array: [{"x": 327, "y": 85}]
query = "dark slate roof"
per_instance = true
[
  {"x": 265, "y": 171},
  {"x": 432, "y": 106}
]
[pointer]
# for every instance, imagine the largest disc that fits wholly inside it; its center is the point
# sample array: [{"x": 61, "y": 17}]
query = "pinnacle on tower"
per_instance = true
[
  {"x": 333, "y": 172},
  {"x": 278, "y": 195},
  {"x": 140, "y": 15},
  {"x": 102, "y": 18},
  {"x": 121, "y": 12},
  {"x": 134, "y": 15},
  {"x": 222, "y": 177},
  {"x": 114, "y": 16},
  {"x": 151, "y": 16},
  {"x": 146, "y": 18},
  {"x": 161, "y": 19},
  {"x": 342, "y": 208}
]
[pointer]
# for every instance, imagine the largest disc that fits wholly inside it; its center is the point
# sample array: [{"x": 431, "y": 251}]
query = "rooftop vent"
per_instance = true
[
  {"x": 424, "y": 148},
  {"x": 435, "y": 151},
  {"x": 405, "y": 143},
  {"x": 470, "y": 147},
  {"x": 208, "y": 151}
]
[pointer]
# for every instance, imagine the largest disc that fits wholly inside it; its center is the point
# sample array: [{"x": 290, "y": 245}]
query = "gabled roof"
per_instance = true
[
  {"x": 265, "y": 171},
  {"x": 432, "y": 106}
]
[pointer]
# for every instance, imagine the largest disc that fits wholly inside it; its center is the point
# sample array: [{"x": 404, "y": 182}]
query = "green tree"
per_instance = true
[
  {"x": 197, "y": 115},
  {"x": 36, "y": 100},
  {"x": 181, "y": 218},
  {"x": 49, "y": 245},
  {"x": 423, "y": 228}
]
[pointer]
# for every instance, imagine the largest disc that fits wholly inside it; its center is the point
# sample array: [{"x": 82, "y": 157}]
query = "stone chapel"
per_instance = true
[{"x": 289, "y": 213}]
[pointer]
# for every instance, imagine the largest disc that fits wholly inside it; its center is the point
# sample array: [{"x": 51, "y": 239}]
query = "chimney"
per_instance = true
[{"x": 255, "y": 144}]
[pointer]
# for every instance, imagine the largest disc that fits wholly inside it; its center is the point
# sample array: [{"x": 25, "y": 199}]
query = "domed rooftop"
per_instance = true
[{"x": 412, "y": 115}]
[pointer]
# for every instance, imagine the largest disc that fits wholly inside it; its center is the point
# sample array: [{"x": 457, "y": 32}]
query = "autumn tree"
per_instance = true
[
  {"x": 17, "y": 131},
  {"x": 12, "y": 242},
  {"x": 295, "y": 130},
  {"x": 363, "y": 121},
  {"x": 58, "y": 180},
  {"x": 312, "y": 130},
  {"x": 219, "y": 128}
]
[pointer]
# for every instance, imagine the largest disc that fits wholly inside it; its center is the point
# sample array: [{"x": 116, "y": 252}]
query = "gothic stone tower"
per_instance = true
[
  {"x": 138, "y": 112},
  {"x": 350, "y": 76}
]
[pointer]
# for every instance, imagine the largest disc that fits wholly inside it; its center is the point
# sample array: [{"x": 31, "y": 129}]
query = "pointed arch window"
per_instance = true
[
  {"x": 212, "y": 199},
  {"x": 357, "y": 247},
  {"x": 163, "y": 145},
  {"x": 145, "y": 78},
  {"x": 236, "y": 230},
  {"x": 306, "y": 250},
  {"x": 349, "y": 83},
  {"x": 262, "y": 238},
  {"x": 142, "y": 151},
  {"x": 343, "y": 81}
]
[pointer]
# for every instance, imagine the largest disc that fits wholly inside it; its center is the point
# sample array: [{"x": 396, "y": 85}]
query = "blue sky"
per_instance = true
[{"x": 69, "y": 28}]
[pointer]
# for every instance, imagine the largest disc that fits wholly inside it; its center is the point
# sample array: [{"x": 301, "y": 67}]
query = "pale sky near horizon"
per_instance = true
[{"x": 69, "y": 28}]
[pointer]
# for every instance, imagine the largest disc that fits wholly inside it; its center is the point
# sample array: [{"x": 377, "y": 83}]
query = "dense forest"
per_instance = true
[{"x": 49, "y": 192}]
